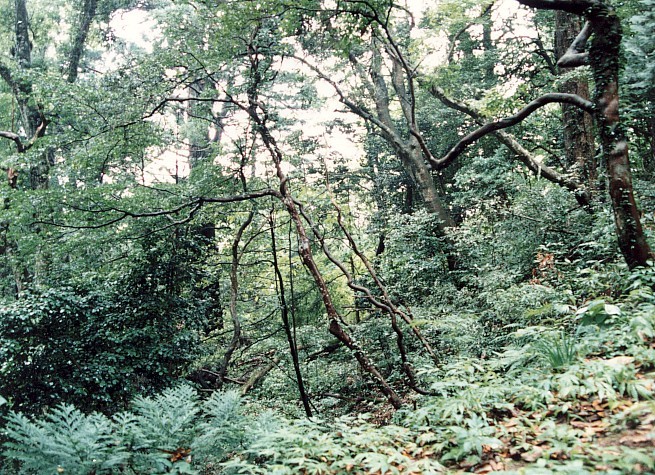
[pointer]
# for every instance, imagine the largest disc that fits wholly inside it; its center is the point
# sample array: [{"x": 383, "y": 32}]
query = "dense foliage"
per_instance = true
[{"x": 326, "y": 237}]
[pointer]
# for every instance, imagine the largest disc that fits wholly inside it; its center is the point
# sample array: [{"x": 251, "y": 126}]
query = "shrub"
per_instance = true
[{"x": 93, "y": 349}]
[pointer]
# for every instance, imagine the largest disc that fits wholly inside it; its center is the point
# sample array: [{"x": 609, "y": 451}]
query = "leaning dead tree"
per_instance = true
[{"x": 260, "y": 119}]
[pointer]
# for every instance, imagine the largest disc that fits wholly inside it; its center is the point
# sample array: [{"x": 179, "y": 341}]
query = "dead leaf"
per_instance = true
[
  {"x": 638, "y": 439},
  {"x": 533, "y": 455},
  {"x": 486, "y": 468},
  {"x": 618, "y": 361},
  {"x": 511, "y": 422}
]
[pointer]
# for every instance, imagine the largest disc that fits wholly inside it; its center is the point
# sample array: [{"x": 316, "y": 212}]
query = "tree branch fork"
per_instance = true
[{"x": 521, "y": 115}]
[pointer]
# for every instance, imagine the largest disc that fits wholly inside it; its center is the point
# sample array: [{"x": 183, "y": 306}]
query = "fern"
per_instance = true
[
  {"x": 163, "y": 434},
  {"x": 346, "y": 446},
  {"x": 66, "y": 440},
  {"x": 224, "y": 427},
  {"x": 168, "y": 421}
]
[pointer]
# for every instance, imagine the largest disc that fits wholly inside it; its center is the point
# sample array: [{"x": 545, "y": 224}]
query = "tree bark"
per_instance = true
[
  {"x": 30, "y": 117},
  {"x": 603, "y": 57},
  {"x": 604, "y": 54},
  {"x": 577, "y": 129},
  {"x": 284, "y": 312}
]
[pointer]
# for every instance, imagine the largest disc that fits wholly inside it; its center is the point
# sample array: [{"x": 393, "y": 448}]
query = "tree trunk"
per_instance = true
[
  {"x": 603, "y": 57},
  {"x": 424, "y": 181},
  {"x": 577, "y": 125},
  {"x": 649, "y": 165},
  {"x": 234, "y": 293},
  {"x": 87, "y": 15},
  {"x": 422, "y": 178},
  {"x": 284, "y": 313},
  {"x": 604, "y": 54}
]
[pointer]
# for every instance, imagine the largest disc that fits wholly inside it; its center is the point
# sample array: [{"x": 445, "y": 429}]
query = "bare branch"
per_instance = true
[
  {"x": 577, "y": 7},
  {"x": 22, "y": 147},
  {"x": 388, "y": 132},
  {"x": 196, "y": 99},
  {"x": 576, "y": 54},
  {"x": 460, "y": 32},
  {"x": 543, "y": 54},
  {"x": 193, "y": 206},
  {"x": 486, "y": 129},
  {"x": 15, "y": 138},
  {"x": 523, "y": 155},
  {"x": 243, "y": 197}
]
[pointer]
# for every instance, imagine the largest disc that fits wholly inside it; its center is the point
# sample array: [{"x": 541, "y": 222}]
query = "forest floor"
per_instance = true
[
  {"x": 599, "y": 416},
  {"x": 587, "y": 435},
  {"x": 569, "y": 388},
  {"x": 603, "y": 433}
]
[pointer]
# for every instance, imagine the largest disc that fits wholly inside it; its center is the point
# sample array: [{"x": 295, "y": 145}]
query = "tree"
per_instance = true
[
  {"x": 577, "y": 127},
  {"x": 603, "y": 26},
  {"x": 639, "y": 79},
  {"x": 372, "y": 38},
  {"x": 32, "y": 121}
]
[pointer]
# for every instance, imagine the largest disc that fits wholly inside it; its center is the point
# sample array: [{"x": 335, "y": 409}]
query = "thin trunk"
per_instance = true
[
  {"x": 23, "y": 46},
  {"x": 87, "y": 15},
  {"x": 234, "y": 292},
  {"x": 200, "y": 150},
  {"x": 489, "y": 47},
  {"x": 358, "y": 317},
  {"x": 30, "y": 117},
  {"x": 284, "y": 312},
  {"x": 259, "y": 375},
  {"x": 649, "y": 165}
]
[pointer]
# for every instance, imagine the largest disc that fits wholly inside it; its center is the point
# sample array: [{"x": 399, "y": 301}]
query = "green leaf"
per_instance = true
[{"x": 612, "y": 309}]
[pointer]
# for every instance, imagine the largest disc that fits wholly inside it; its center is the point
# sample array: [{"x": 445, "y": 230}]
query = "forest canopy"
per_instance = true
[{"x": 327, "y": 236}]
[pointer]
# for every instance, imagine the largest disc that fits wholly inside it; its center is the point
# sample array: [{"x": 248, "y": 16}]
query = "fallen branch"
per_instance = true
[{"x": 259, "y": 375}]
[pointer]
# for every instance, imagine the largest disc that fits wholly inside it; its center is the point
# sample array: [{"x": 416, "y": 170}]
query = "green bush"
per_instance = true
[{"x": 93, "y": 349}]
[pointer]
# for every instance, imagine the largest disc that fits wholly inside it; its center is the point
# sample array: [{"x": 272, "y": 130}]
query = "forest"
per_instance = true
[{"x": 327, "y": 237}]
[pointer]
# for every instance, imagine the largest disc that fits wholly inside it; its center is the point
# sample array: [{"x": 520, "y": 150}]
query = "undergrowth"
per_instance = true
[{"x": 571, "y": 396}]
